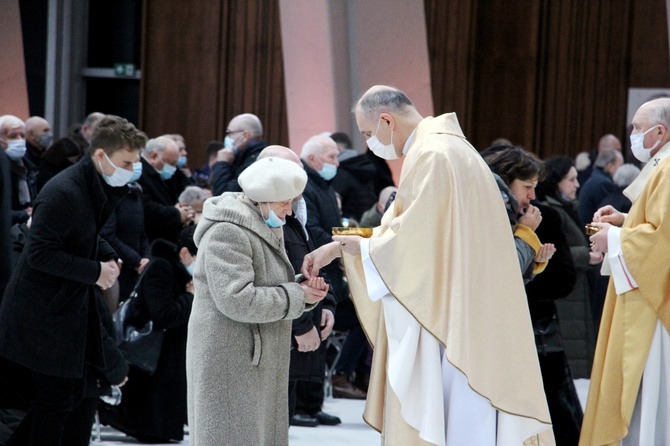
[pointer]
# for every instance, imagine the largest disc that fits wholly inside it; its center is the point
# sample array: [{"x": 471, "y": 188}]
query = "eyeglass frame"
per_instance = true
[{"x": 230, "y": 132}]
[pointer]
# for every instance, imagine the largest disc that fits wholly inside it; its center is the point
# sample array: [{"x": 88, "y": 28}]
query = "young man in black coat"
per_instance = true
[{"x": 49, "y": 319}]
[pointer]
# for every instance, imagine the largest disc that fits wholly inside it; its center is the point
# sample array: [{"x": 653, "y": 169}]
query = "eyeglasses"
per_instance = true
[{"x": 230, "y": 132}]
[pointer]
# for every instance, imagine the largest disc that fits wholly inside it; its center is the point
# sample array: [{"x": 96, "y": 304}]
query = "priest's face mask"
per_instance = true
[{"x": 376, "y": 132}]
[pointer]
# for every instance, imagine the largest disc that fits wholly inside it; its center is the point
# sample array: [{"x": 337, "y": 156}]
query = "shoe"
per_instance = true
[
  {"x": 327, "y": 419},
  {"x": 304, "y": 420},
  {"x": 343, "y": 388}
]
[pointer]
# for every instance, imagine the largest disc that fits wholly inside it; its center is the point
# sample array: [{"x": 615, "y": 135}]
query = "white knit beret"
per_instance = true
[{"x": 272, "y": 179}]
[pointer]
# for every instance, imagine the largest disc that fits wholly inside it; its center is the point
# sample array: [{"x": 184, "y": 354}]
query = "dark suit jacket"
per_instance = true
[
  {"x": 49, "y": 319},
  {"x": 597, "y": 187}
]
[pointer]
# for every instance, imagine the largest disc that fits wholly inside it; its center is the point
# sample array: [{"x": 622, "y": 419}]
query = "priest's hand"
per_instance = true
[
  {"x": 607, "y": 214},
  {"x": 351, "y": 244},
  {"x": 319, "y": 258},
  {"x": 599, "y": 239}
]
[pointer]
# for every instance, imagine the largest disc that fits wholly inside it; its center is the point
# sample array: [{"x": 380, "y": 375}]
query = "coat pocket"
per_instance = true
[{"x": 257, "y": 346}]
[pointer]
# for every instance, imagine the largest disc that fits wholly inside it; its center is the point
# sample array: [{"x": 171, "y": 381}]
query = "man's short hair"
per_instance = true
[
  {"x": 315, "y": 145},
  {"x": 607, "y": 156},
  {"x": 383, "y": 100},
  {"x": 156, "y": 145},
  {"x": 342, "y": 138},
  {"x": 114, "y": 133},
  {"x": 659, "y": 112},
  {"x": 185, "y": 240},
  {"x": 10, "y": 120},
  {"x": 213, "y": 148},
  {"x": 625, "y": 175}
]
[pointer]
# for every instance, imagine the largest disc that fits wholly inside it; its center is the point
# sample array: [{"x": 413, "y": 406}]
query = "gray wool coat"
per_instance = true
[{"x": 239, "y": 333}]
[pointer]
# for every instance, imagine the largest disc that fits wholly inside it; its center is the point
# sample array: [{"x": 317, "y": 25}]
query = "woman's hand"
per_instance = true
[
  {"x": 315, "y": 289},
  {"x": 532, "y": 218},
  {"x": 545, "y": 253}
]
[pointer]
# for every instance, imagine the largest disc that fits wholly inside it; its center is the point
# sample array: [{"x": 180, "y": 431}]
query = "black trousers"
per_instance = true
[{"x": 55, "y": 399}]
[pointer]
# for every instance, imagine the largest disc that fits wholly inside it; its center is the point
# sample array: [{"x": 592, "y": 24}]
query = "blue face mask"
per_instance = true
[
  {"x": 273, "y": 220},
  {"x": 168, "y": 171},
  {"x": 190, "y": 268},
  {"x": 328, "y": 171},
  {"x": 181, "y": 162},
  {"x": 137, "y": 172}
]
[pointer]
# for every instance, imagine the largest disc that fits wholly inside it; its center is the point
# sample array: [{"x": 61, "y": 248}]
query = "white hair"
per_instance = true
[
  {"x": 625, "y": 175},
  {"x": 156, "y": 145},
  {"x": 11, "y": 121},
  {"x": 315, "y": 145}
]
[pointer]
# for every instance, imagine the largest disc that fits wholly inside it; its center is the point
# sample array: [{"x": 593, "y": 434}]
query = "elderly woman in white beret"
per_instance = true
[{"x": 246, "y": 295}]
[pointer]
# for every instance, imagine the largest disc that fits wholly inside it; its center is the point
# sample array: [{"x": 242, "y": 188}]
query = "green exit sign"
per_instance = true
[{"x": 124, "y": 69}]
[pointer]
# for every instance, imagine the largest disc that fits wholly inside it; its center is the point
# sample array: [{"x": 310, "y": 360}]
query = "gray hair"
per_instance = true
[
  {"x": 193, "y": 194},
  {"x": 315, "y": 145},
  {"x": 383, "y": 99},
  {"x": 606, "y": 157},
  {"x": 659, "y": 111},
  {"x": 250, "y": 123},
  {"x": 625, "y": 175},
  {"x": 11, "y": 120},
  {"x": 155, "y": 145}
]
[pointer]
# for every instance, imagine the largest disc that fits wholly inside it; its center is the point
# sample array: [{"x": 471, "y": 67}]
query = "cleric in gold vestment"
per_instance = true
[
  {"x": 629, "y": 394},
  {"x": 439, "y": 292}
]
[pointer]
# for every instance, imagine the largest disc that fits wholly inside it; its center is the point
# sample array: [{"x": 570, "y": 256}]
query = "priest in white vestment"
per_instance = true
[
  {"x": 629, "y": 392},
  {"x": 439, "y": 292}
]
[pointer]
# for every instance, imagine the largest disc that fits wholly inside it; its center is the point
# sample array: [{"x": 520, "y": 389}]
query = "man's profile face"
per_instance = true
[
  {"x": 171, "y": 154},
  {"x": 329, "y": 155},
  {"x": 365, "y": 126},
  {"x": 11, "y": 133}
]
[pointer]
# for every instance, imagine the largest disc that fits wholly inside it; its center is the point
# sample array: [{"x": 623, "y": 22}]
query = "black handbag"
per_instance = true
[
  {"x": 135, "y": 334},
  {"x": 547, "y": 333}
]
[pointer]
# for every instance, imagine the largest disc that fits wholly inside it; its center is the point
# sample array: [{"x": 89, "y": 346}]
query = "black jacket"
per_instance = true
[
  {"x": 383, "y": 176},
  {"x": 161, "y": 218},
  {"x": 6, "y": 262},
  {"x": 125, "y": 232},
  {"x": 305, "y": 366},
  {"x": 49, "y": 319},
  {"x": 355, "y": 184},
  {"x": 597, "y": 187},
  {"x": 322, "y": 215},
  {"x": 156, "y": 405},
  {"x": 22, "y": 171},
  {"x": 224, "y": 175}
]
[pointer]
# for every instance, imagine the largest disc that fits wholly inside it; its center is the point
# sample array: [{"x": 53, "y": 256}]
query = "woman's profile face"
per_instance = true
[
  {"x": 568, "y": 185},
  {"x": 524, "y": 191},
  {"x": 281, "y": 208}
]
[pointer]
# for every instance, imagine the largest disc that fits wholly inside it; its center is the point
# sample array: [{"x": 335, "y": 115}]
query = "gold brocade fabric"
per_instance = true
[
  {"x": 629, "y": 320},
  {"x": 445, "y": 251}
]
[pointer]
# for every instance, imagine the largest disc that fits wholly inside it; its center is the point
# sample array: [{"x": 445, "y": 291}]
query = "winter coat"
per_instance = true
[
  {"x": 24, "y": 191},
  {"x": 155, "y": 406},
  {"x": 6, "y": 257},
  {"x": 305, "y": 366},
  {"x": 125, "y": 232},
  {"x": 161, "y": 218},
  {"x": 383, "y": 176},
  {"x": 224, "y": 175},
  {"x": 597, "y": 187},
  {"x": 238, "y": 348},
  {"x": 574, "y": 311},
  {"x": 49, "y": 320},
  {"x": 322, "y": 215},
  {"x": 355, "y": 184}
]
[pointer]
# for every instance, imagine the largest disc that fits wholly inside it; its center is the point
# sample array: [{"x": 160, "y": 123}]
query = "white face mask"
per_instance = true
[
  {"x": 300, "y": 211},
  {"x": 386, "y": 152},
  {"x": 637, "y": 145},
  {"x": 120, "y": 177},
  {"x": 16, "y": 149}
]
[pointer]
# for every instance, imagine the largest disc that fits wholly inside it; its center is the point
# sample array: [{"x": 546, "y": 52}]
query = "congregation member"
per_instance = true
[
  {"x": 49, "y": 316},
  {"x": 599, "y": 184},
  {"x": 246, "y": 295},
  {"x": 420, "y": 302},
  {"x": 164, "y": 217},
  {"x": 242, "y": 144},
  {"x": 22, "y": 171},
  {"x": 61, "y": 154},
  {"x": 622, "y": 178},
  {"x": 38, "y": 138},
  {"x": 629, "y": 393}
]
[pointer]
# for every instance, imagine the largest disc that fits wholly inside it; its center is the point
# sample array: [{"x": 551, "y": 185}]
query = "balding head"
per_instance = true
[
  {"x": 89, "y": 125},
  {"x": 38, "y": 132},
  {"x": 280, "y": 152},
  {"x": 609, "y": 142},
  {"x": 652, "y": 120},
  {"x": 160, "y": 151}
]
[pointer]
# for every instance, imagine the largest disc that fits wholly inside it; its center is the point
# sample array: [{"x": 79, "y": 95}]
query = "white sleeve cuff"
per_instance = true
[
  {"x": 623, "y": 279},
  {"x": 376, "y": 287}
]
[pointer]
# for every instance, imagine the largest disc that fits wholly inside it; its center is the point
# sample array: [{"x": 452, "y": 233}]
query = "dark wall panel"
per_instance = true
[{"x": 205, "y": 62}]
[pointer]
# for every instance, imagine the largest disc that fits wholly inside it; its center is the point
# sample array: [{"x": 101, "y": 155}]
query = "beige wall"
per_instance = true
[
  {"x": 13, "y": 89},
  {"x": 334, "y": 50}
]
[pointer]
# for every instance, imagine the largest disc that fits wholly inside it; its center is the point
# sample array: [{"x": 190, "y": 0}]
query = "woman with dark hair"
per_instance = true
[
  {"x": 521, "y": 170},
  {"x": 59, "y": 156},
  {"x": 558, "y": 191}
]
